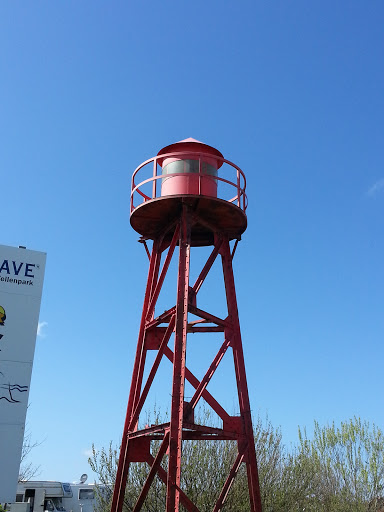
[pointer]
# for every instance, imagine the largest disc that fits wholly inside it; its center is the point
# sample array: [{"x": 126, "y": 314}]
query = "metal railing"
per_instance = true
[{"x": 239, "y": 182}]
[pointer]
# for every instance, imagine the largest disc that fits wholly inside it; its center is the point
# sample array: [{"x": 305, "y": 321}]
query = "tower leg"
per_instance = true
[
  {"x": 137, "y": 377},
  {"x": 177, "y": 406},
  {"x": 242, "y": 388}
]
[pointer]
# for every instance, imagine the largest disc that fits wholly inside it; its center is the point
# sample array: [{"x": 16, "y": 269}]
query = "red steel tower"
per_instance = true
[{"x": 181, "y": 204}]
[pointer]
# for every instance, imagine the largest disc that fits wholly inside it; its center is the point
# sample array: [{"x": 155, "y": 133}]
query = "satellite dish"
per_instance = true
[{"x": 83, "y": 478}]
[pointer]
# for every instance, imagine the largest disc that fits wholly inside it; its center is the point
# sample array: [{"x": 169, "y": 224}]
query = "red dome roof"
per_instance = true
[{"x": 190, "y": 145}]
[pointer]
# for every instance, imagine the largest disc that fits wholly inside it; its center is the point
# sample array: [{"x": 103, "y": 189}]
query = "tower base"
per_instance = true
[{"x": 156, "y": 333}]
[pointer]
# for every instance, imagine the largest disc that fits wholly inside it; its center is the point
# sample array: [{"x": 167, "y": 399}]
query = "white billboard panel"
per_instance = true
[{"x": 21, "y": 284}]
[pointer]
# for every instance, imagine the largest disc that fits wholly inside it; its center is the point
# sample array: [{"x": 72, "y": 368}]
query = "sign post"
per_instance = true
[{"x": 21, "y": 284}]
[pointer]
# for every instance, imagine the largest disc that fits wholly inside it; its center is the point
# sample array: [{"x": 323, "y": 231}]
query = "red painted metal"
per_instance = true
[
  {"x": 177, "y": 403},
  {"x": 189, "y": 181},
  {"x": 188, "y": 225},
  {"x": 236, "y": 178}
]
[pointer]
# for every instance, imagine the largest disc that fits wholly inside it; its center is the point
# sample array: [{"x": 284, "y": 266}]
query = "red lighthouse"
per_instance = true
[{"x": 190, "y": 197}]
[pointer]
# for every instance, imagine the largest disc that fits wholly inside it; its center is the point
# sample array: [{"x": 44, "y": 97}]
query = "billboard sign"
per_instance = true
[{"x": 21, "y": 285}]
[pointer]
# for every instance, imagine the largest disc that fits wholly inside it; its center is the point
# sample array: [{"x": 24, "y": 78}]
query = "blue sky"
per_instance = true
[{"x": 292, "y": 92}]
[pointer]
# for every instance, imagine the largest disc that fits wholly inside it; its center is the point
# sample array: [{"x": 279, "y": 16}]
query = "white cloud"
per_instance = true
[
  {"x": 376, "y": 187},
  {"x": 88, "y": 453},
  {"x": 41, "y": 330}
]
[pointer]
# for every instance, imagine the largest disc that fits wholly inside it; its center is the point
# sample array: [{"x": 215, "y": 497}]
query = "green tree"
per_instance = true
[
  {"x": 206, "y": 465},
  {"x": 348, "y": 465},
  {"x": 341, "y": 469}
]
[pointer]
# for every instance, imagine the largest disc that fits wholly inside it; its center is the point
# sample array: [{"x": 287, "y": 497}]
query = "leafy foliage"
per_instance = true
[
  {"x": 348, "y": 465},
  {"x": 341, "y": 469}
]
